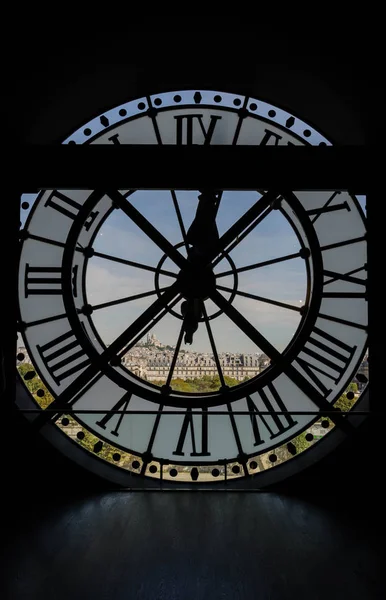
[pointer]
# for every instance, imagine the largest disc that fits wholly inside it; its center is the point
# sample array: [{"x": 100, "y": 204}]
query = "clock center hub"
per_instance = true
[{"x": 197, "y": 285}]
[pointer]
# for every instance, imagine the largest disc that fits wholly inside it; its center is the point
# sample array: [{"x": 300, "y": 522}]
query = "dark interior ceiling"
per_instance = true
[{"x": 55, "y": 85}]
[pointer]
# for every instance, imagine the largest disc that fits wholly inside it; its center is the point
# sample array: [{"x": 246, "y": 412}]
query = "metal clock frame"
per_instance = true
[{"x": 339, "y": 168}]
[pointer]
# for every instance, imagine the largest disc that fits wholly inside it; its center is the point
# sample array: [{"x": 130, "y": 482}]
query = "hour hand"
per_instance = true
[
  {"x": 191, "y": 311},
  {"x": 203, "y": 233}
]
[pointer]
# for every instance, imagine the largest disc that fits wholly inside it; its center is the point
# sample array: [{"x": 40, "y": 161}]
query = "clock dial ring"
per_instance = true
[
  {"x": 210, "y": 399},
  {"x": 275, "y": 116},
  {"x": 303, "y": 141},
  {"x": 301, "y": 242},
  {"x": 245, "y": 457}
]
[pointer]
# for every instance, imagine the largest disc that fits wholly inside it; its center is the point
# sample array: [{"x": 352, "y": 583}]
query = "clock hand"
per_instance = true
[
  {"x": 241, "y": 224},
  {"x": 206, "y": 245},
  {"x": 192, "y": 312},
  {"x": 121, "y": 202},
  {"x": 278, "y": 359},
  {"x": 202, "y": 236},
  {"x": 203, "y": 233}
]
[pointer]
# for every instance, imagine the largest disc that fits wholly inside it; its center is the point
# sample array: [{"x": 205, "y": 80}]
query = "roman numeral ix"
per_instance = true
[{"x": 333, "y": 276}]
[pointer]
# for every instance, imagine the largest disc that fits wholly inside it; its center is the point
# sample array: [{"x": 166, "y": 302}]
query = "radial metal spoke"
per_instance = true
[
  {"x": 99, "y": 362},
  {"x": 346, "y": 277},
  {"x": 260, "y": 264},
  {"x": 127, "y": 299},
  {"x": 245, "y": 221},
  {"x": 46, "y": 320},
  {"x": 213, "y": 345},
  {"x": 135, "y": 264},
  {"x": 175, "y": 356},
  {"x": 144, "y": 319},
  {"x": 129, "y": 193},
  {"x": 343, "y": 321},
  {"x": 154, "y": 120},
  {"x": 39, "y": 238},
  {"x": 149, "y": 327},
  {"x": 179, "y": 217},
  {"x": 243, "y": 234},
  {"x": 262, "y": 299},
  {"x": 218, "y": 201},
  {"x": 81, "y": 393},
  {"x": 234, "y": 428},
  {"x": 240, "y": 121},
  {"x": 344, "y": 243},
  {"x": 261, "y": 342},
  {"x": 276, "y": 357},
  {"x": 147, "y": 228}
]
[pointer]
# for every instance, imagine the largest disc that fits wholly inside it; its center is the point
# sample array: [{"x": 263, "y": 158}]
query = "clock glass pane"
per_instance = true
[{"x": 193, "y": 335}]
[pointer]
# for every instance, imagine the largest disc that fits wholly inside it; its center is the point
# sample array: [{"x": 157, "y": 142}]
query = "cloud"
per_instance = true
[
  {"x": 284, "y": 282},
  {"x": 109, "y": 281},
  {"x": 259, "y": 313},
  {"x": 127, "y": 242},
  {"x": 115, "y": 281}
]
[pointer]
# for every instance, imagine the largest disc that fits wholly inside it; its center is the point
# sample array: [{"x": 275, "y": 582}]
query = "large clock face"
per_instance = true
[{"x": 193, "y": 335}]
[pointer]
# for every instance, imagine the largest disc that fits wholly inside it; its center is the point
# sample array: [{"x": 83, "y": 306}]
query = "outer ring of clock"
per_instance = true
[
  {"x": 318, "y": 450},
  {"x": 182, "y": 399}
]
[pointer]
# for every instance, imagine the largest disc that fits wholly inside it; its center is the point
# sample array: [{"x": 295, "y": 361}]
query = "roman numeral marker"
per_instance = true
[
  {"x": 275, "y": 424},
  {"x": 188, "y": 423},
  {"x": 36, "y": 277},
  {"x": 327, "y": 207},
  {"x": 69, "y": 207},
  {"x": 123, "y": 403},
  {"x": 188, "y": 121},
  {"x": 52, "y": 356},
  {"x": 330, "y": 357}
]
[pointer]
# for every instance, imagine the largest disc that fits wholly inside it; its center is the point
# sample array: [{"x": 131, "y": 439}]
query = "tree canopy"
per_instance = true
[
  {"x": 206, "y": 383},
  {"x": 35, "y": 385}
]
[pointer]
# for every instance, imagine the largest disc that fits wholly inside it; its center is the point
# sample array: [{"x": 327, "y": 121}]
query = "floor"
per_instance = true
[{"x": 190, "y": 546}]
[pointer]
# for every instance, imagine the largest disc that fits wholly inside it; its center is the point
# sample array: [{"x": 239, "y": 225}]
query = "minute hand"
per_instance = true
[{"x": 233, "y": 232}]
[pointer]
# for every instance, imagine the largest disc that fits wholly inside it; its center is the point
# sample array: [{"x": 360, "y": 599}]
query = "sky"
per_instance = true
[
  {"x": 120, "y": 237},
  {"x": 285, "y": 283}
]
